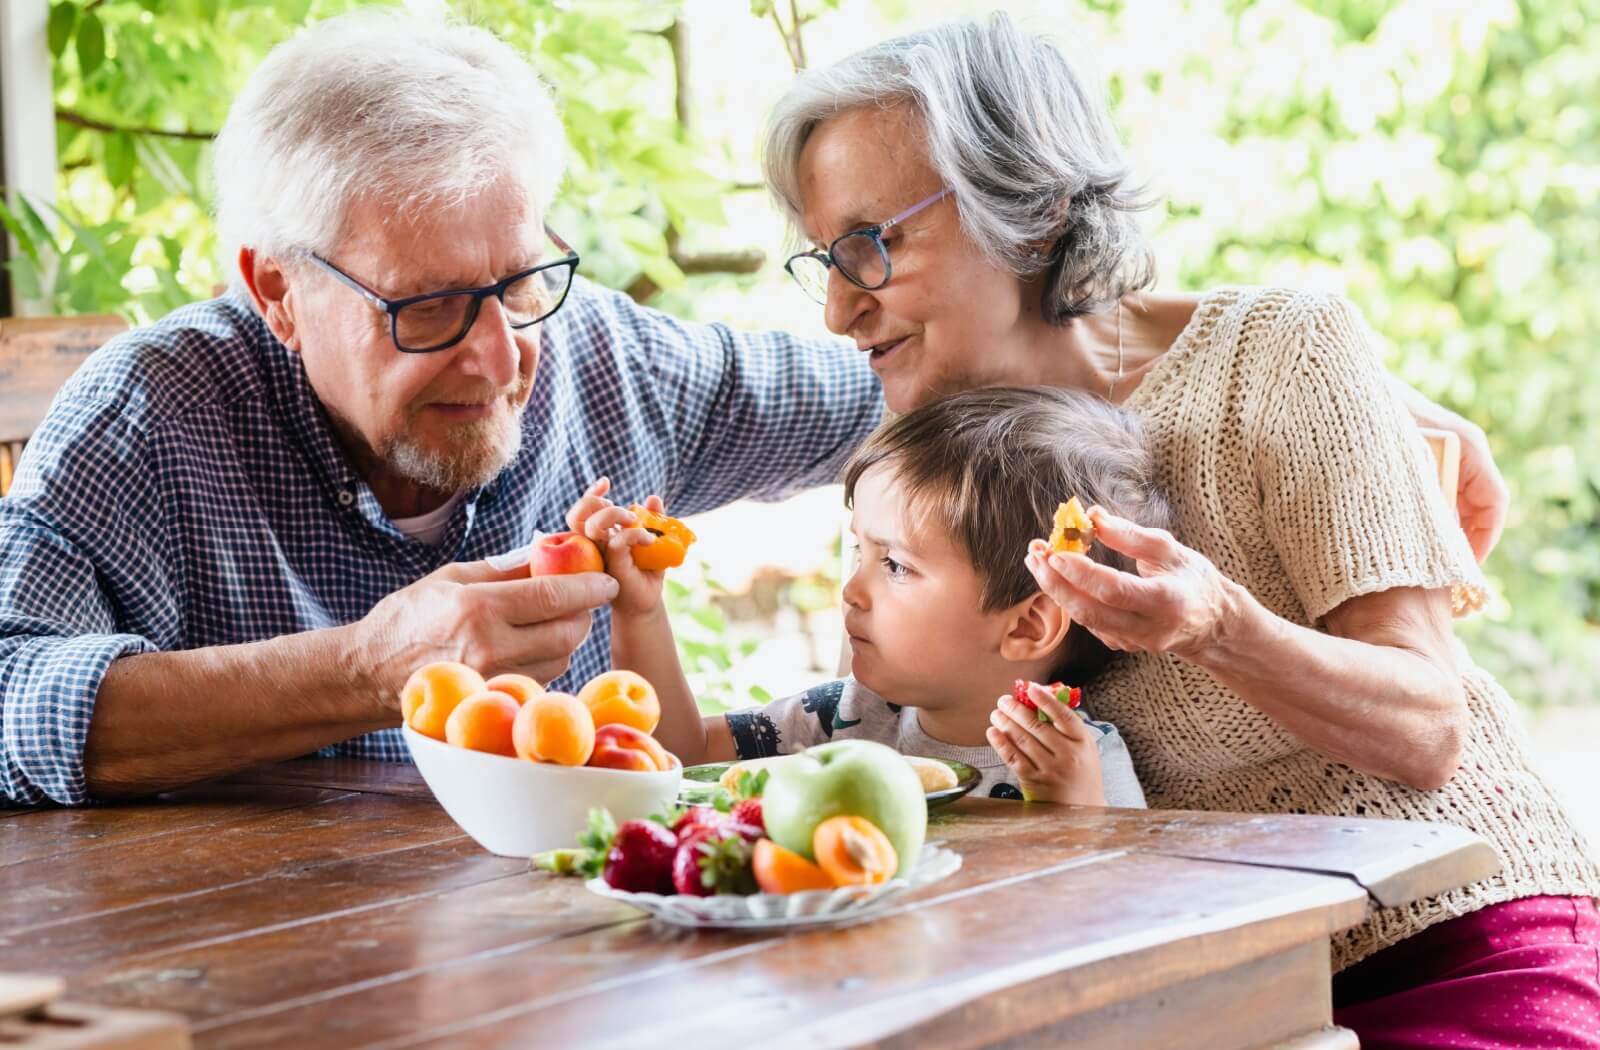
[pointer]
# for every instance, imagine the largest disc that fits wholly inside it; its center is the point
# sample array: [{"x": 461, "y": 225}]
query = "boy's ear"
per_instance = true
[{"x": 1035, "y": 630}]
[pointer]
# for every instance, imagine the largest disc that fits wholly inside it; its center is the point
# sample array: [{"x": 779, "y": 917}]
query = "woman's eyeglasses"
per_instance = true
[{"x": 860, "y": 255}]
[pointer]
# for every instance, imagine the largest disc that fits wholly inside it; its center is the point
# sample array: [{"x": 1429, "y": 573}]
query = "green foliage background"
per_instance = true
[{"x": 1438, "y": 162}]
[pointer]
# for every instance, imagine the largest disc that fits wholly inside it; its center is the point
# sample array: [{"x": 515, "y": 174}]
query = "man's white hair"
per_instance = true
[
  {"x": 1027, "y": 146},
  {"x": 418, "y": 113}
]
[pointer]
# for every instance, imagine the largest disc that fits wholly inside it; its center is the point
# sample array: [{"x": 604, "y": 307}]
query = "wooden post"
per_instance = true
[{"x": 27, "y": 124}]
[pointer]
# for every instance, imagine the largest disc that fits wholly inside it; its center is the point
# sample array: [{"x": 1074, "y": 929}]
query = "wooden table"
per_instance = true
[{"x": 332, "y": 903}]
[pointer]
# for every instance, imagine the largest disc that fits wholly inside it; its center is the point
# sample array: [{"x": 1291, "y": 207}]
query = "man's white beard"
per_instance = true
[{"x": 476, "y": 452}]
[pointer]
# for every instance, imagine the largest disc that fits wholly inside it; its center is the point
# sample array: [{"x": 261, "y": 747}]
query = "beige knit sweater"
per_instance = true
[{"x": 1292, "y": 466}]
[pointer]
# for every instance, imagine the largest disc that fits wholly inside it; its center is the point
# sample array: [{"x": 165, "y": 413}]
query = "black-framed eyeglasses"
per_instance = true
[
  {"x": 422, "y": 324},
  {"x": 860, "y": 255}
]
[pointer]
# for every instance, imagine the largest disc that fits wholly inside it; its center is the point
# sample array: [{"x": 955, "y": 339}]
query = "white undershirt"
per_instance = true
[{"x": 429, "y": 528}]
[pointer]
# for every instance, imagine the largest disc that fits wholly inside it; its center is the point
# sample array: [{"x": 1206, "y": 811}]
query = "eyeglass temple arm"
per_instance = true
[{"x": 926, "y": 203}]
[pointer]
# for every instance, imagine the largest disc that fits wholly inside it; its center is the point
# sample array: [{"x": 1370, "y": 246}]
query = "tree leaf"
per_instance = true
[
  {"x": 120, "y": 159},
  {"x": 63, "y": 19},
  {"x": 91, "y": 43}
]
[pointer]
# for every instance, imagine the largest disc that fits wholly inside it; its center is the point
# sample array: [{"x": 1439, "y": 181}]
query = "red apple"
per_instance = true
[{"x": 563, "y": 553}]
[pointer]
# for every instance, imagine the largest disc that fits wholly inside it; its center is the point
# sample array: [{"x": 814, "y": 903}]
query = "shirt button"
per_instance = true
[{"x": 346, "y": 497}]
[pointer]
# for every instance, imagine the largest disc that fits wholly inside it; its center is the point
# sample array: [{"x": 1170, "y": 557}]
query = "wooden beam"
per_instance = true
[{"x": 27, "y": 122}]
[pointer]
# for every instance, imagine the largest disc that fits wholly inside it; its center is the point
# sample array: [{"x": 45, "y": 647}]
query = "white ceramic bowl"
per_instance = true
[{"x": 517, "y": 808}]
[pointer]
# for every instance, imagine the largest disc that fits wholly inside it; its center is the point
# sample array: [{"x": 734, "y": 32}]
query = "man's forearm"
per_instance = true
[{"x": 166, "y": 719}]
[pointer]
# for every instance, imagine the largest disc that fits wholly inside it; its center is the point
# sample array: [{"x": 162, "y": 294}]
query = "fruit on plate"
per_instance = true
[
  {"x": 640, "y": 858},
  {"x": 1073, "y": 530},
  {"x": 617, "y": 746},
  {"x": 554, "y": 727},
  {"x": 518, "y": 687},
  {"x": 563, "y": 553},
  {"x": 711, "y": 861},
  {"x": 1072, "y": 696},
  {"x": 482, "y": 722},
  {"x": 852, "y": 851},
  {"x": 433, "y": 691},
  {"x": 856, "y": 778},
  {"x": 780, "y": 870},
  {"x": 671, "y": 543},
  {"x": 622, "y": 697}
]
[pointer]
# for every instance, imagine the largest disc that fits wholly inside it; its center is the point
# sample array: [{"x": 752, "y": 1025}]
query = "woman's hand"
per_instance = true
[
  {"x": 1054, "y": 761},
  {"x": 1482, "y": 497},
  {"x": 614, "y": 530},
  {"x": 1179, "y": 603}
]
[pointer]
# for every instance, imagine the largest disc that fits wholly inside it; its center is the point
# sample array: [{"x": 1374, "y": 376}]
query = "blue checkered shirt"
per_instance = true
[{"x": 186, "y": 490}]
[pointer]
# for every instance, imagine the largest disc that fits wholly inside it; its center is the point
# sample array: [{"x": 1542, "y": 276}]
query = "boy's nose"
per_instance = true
[{"x": 855, "y": 595}]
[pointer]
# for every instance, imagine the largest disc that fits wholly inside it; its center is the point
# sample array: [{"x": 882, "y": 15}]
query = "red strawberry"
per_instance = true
[
  {"x": 709, "y": 862},
  {"x": 700, "y": 817},
  {"x": 641, "y": 857},
  {"x": 748, "y": 811},
  {"x": 1072, "y": 696}
]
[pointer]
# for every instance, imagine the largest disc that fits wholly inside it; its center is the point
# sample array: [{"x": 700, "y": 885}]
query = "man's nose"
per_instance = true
[
  {"x": 490, "y": 347},
  {"x": 846, "y": 303}
]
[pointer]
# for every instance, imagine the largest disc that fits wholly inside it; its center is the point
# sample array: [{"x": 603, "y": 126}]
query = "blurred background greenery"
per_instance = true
[{"x": 1438, "y": 162}]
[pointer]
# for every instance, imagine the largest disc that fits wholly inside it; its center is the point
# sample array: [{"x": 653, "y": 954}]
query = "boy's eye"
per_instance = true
[{"x": 892, "y": 567}]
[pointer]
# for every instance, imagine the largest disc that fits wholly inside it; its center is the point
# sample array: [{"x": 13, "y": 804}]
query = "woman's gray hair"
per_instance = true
[
  {"x": 415, "y": 112},
  {"x": 1028, "y": 149}
]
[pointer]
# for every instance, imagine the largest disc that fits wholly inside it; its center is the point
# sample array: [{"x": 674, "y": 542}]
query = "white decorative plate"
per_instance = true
[{"x": 761, "y": 911}]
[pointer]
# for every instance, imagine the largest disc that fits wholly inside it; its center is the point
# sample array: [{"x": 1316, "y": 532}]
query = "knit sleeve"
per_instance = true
[{"x": 1350, "y": 497}]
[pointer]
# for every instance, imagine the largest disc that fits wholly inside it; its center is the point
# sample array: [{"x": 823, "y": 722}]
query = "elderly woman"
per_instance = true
[{"x": 1290, "y": 649}]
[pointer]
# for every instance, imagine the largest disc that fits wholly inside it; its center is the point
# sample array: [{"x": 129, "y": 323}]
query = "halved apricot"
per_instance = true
[
  {"x": 482, "y": 722},
  {"x": 853, "y": 851},
  {"x": 554, "y": 727},
  {"x": 780, "y": 870},
  {"x": 433, "y": 691}
]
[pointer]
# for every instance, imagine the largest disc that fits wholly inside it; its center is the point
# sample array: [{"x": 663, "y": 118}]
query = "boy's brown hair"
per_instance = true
[{"x": 991, "y": 465}]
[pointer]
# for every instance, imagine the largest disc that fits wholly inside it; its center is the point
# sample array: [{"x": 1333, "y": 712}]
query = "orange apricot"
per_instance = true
[
  {"x": 622, "y": 697},
  {"x": 617, "y": 746},
  {"x": 482, "y": 722},
  {"x": 853, "y": 851},
  {"x": 518, "y": 687},
  {"x": 671, "y": 543},
  {"x": 780, "y": 870},
  {"x": 433, "y": 691},
  {"x": 554, "y": 727}
]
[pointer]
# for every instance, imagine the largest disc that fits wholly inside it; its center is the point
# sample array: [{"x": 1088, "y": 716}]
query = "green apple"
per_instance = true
[{"x": 855, "y": 778}]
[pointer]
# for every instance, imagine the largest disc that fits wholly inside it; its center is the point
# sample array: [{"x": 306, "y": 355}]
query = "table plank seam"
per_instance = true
[
  {"x": 218, "y": 888},
  {"x": 276, "y": 811}
]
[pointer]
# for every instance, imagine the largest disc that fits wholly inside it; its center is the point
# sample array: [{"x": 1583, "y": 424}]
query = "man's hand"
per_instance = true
[
  {"x": 490, "y": 619},
  {"x": 1481, "y": 496},
  {"x": 1054, "y": 761}
]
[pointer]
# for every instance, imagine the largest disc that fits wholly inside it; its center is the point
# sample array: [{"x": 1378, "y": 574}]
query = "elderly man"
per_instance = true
[{"x": 239, "y": 529}]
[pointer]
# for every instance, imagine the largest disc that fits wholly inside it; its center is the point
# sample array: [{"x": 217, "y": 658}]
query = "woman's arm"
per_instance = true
[{"x": 1380, "y": 692}]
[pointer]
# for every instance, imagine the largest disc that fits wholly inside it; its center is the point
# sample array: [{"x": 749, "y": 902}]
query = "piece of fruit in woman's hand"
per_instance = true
[
  {"x": 1073, "y": 530},
  {"x": 1072, "y": 696},
  {"x": 641, "y": 856}
]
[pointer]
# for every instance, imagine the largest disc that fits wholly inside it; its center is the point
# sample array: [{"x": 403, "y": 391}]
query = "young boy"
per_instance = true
[{"x": 941, "y": 611}]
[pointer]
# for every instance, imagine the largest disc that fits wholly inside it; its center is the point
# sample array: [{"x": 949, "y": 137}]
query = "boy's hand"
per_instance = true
[
  {"x": 614, "y": 531},
  {"x": 1054, "y": 761}
]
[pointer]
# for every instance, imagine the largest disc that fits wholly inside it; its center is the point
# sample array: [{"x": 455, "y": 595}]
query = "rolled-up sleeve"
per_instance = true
[{"x": 80, "y": 567}]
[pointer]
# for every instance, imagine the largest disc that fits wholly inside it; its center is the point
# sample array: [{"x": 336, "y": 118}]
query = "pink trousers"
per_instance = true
[{"x": 1523, "y": 974}]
